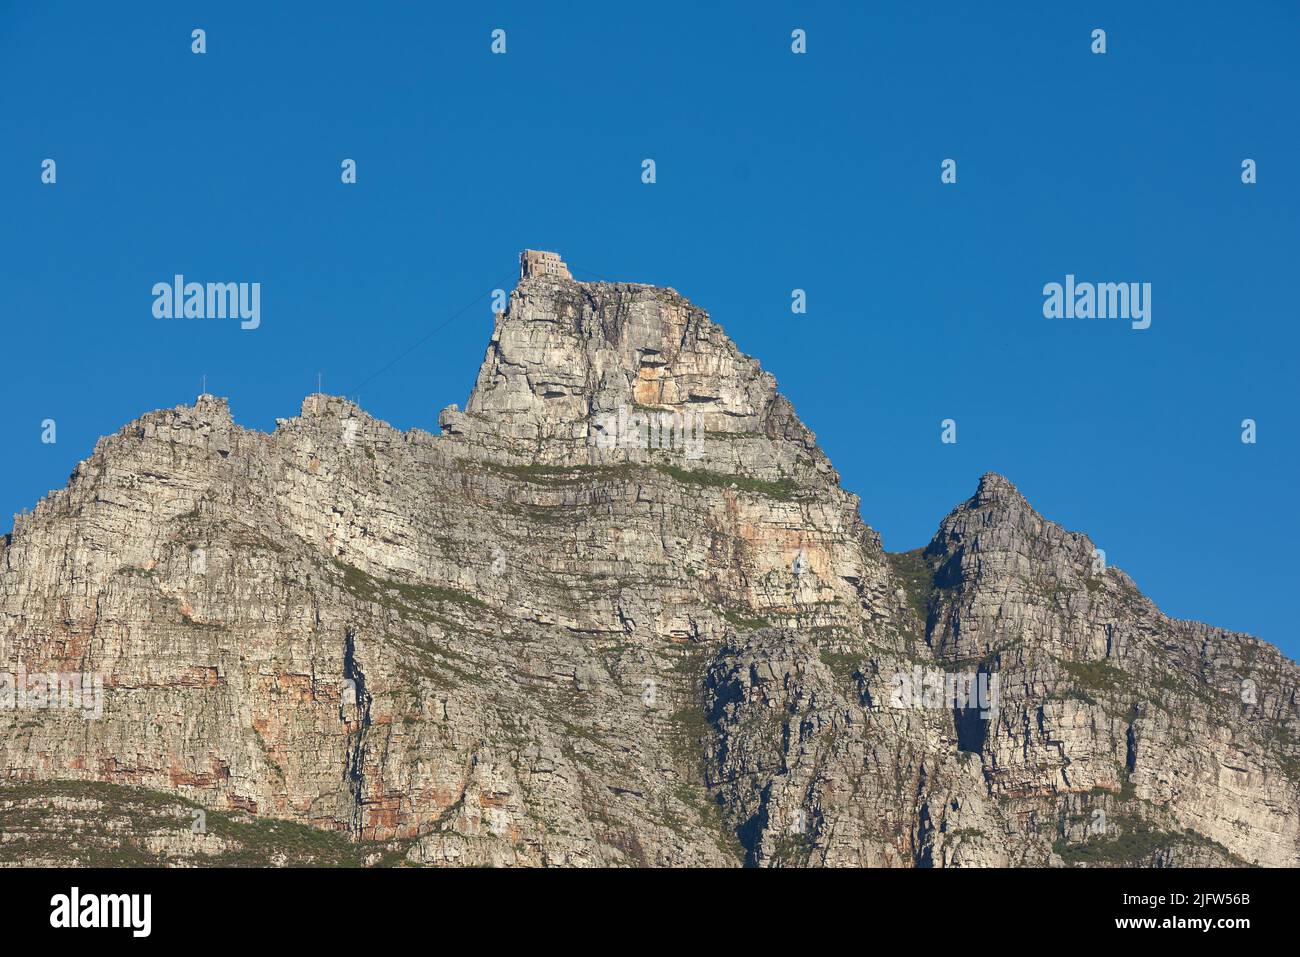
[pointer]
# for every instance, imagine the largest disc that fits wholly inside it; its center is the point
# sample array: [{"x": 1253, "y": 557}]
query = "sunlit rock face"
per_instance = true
[{"x": 620, "y": 611}]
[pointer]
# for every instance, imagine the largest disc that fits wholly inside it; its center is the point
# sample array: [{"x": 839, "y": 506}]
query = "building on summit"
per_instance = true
[{"x": 536, "y": 262}]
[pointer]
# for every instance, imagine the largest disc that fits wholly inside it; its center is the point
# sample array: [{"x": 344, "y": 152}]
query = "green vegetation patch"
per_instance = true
[
  {"x": 420, "y": 601},
  {"x": 1136, "y": 843},
  {"x": 97, "y": 824},
  {"x": 781, "y": 489},
  {"x": 1095, "y": 675},
  {"x": 560, "y": 474},
  {"x": 843, "y": 666},
  {"x": 738, "y": 620},
  {"x": 580, "y": 474},
  {"x": 916, "y": 577}
]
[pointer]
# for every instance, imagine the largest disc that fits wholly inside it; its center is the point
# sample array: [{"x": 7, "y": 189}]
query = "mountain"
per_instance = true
[{"x": 619, "y": 612}]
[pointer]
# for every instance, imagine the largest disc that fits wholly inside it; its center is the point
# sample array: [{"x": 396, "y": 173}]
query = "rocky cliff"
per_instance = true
[{"x": 620, "y": 611}]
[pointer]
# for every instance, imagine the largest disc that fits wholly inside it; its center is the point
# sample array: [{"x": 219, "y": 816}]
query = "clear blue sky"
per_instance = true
[{"x": 775, "y": 171}]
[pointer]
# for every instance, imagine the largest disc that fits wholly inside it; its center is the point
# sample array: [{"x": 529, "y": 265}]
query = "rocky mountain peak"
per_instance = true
[
  {"x": 601, "y": 372},
  {"x": 619, "y": 612},
  {"x": 994, "y": 488}
]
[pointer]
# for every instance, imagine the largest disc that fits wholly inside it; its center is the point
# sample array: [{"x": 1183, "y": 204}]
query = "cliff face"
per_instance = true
[{"x": 619, "y": 612}]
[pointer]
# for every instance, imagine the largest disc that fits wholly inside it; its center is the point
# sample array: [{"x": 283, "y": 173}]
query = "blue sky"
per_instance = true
[{"x": 774, "y": 172}]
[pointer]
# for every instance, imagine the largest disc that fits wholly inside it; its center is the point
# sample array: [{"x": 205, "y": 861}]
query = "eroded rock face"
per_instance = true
[{"x": 619, "y": 612}]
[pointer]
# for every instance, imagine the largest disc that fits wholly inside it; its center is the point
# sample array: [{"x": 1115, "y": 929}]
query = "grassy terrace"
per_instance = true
[
  {"x": 416, "y": 600},
  {"x": 1096, "y": 675},
  {"x": 744, "y": 623},
  {"x": 558, "y": 475},
  {"x": 1135, "y": 843},
  {"x": 917, "y": 578},
  {"x": 782, "y": 489},
  {"x": 580, "y": 474},
  {"x": 109, "y": 825}
]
